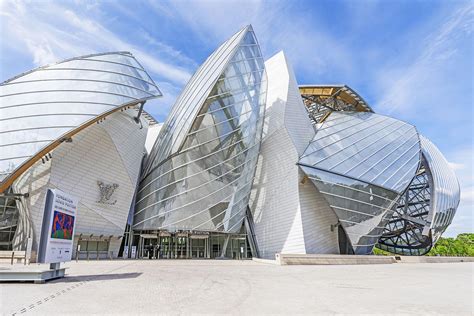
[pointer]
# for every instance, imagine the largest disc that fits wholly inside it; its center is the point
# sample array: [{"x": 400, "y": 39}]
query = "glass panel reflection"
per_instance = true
[{"x": 205, "y": 184}]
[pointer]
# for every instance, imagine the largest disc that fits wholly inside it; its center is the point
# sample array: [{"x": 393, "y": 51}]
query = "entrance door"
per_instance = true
[
  {"x": 166, "y": 247},
  {"x": 149, "y": 248},
  {"x": 198, "y": 248},
  {"x": 345, "y": 247},
  {"x": 181, "y": 246}
]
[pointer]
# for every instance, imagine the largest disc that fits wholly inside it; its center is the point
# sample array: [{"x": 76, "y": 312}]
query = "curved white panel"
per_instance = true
[
  {"x": 289, "y": 217},
  {"x": 39, "y": 106}
]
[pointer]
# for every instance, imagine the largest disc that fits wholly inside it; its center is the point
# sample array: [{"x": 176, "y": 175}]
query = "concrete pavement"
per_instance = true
[{"x": 183, "y": 287}]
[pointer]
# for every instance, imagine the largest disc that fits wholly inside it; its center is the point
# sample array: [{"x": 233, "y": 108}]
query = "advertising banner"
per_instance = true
[{"x": 57, "y": 232}]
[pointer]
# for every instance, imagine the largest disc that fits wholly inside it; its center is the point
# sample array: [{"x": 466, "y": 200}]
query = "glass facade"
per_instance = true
[
  {"x": 366, "y": 146},
  {"x": 40, "y": 106},
  {"x": 200, "y": 171},
  {"x": 187, "y": 245},
  {"x": 363, "y": 209},
  {"x": 446, "y": 190},
  {"x": 361, "y": 162}
]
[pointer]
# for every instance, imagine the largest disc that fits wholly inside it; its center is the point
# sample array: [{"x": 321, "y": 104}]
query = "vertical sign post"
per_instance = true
[{"x": 57, "y": 232}]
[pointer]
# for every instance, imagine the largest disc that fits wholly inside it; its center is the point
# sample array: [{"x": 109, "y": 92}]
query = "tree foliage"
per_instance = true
[{"x": 462, "y": 245}]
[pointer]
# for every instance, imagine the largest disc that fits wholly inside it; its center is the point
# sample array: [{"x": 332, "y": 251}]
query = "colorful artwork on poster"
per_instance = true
[{"x": 63, "y": 226}]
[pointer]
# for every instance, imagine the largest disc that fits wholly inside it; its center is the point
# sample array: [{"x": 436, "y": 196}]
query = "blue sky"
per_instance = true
[{"x": 409, "y": 59}]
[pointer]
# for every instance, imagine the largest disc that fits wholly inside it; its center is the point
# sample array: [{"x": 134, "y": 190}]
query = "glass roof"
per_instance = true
[{"x": 366, "y": 146}]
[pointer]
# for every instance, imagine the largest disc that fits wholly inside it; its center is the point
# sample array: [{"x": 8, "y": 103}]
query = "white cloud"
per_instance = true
[
  {"x": 211, "y": 20},
  {"x": 405, "y": 85},
  {"x": 71, "y": 34},
  {"x": 279, "y": 25}
]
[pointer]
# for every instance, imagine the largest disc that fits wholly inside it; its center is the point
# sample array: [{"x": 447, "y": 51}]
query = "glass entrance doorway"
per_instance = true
[
  {"x": 148, "y": 246},
  {"x": 239, "y": 248},
  {"x": 174, "y": 247},
  {"x": 199, "y": 247},
  {"x": 191, "y": 245}
]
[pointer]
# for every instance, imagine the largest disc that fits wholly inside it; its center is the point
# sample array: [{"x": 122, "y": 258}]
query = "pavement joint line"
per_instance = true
[{"x": 46, "y": 299}]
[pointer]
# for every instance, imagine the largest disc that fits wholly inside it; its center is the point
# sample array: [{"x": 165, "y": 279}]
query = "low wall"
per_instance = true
[
  {"x": 314, "y": 259},
  {"x": 267, "y": 261},
  {"x": 308, "y": 259}
]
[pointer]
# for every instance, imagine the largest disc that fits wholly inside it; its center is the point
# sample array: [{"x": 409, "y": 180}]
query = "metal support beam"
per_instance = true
[
  {"x": 224, "y": 247},
  {"x": 140, "y": 110},
  {"x": 248, "y": 222},
  {"x": 415, "y": 220}
]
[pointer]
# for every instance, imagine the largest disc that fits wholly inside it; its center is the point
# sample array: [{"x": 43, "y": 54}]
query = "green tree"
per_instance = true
[{"x": 461, "y": 246}]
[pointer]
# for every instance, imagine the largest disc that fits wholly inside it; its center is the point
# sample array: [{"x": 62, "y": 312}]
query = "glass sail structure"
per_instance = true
[
  {"x": 361, "y": 162},
  {"x": 42, "y": 105},
  {"x": 199, "y": 173},
  {"x": 42, "y": 110}
]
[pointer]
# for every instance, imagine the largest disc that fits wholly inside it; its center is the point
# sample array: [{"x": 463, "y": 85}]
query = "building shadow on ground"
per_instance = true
[{"x": 97, "y": 277}]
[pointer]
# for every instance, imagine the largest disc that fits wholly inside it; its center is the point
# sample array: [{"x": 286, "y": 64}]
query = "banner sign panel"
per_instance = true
[{"x": 57, "y": 232}]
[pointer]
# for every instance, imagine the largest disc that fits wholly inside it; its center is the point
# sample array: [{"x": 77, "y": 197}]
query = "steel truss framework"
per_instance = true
[
  {"x": 339, "y": 98},
  {"x": 404, "y": 232},
  {"x": 8, "y": 220}
]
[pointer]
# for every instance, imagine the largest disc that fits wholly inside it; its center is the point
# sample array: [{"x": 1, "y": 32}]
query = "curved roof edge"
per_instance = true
[
  {"x": 176, "y": 126},
  {"x": 69, "y": 59},
  {"x": 8, "y": 180},
  {"x": 58, "y": 139}
]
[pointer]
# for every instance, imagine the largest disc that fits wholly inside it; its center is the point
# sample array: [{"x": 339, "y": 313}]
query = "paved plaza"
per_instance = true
[{"x": 183, "y": 287}]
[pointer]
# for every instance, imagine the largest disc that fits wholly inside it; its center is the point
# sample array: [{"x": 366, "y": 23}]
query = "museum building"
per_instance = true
[{"x": 248, "y": 162}]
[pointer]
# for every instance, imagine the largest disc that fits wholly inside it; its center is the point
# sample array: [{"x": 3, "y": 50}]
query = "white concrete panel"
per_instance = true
[
  {"x": 152, "y": 135},
  {"x": 317, "y": 218},
  {"x": 128, "y": 138},
  {"x": 289, "y": 217}
]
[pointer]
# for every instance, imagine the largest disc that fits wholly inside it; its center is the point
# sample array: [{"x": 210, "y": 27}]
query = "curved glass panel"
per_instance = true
[
  {"x": 372, "y": 148},
  {"x": 188, "y": 103},
  {"x": 426, "y": 208},
  {"x": 201, "y": 167},
  {"x": 39, "y": 106},
  {"x": 446, "y": 190},
  {"x": 363, "y": 209}
]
